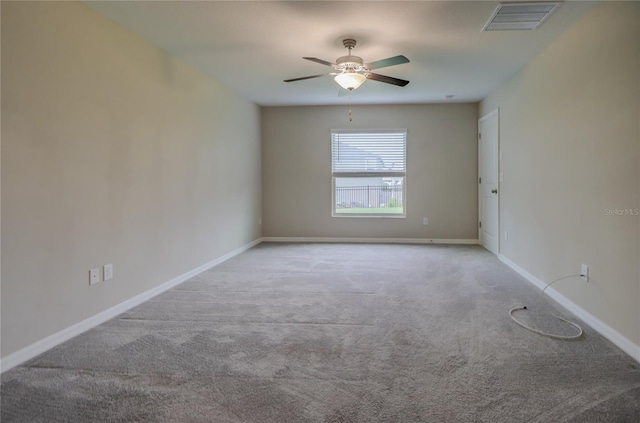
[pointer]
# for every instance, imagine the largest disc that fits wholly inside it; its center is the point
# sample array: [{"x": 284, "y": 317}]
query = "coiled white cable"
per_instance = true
[{"x": 540, "y": 332}]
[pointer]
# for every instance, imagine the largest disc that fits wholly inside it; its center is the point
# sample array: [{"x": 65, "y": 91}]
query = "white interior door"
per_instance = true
[{"x": 488, "y": 181}]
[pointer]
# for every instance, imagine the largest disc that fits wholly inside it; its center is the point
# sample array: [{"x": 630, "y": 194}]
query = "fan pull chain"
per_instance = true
[{"x": 350, "y": 116}]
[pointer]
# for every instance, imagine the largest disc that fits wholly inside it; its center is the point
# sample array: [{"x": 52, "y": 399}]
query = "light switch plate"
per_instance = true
[{"x": 108, "y": 272}]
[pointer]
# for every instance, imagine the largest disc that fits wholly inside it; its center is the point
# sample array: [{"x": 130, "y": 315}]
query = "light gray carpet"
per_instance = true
[{"x": 330, "y": 333}]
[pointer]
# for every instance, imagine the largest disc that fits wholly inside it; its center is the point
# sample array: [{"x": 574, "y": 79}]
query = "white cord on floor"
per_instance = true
[{"x": 550, "y": 335}]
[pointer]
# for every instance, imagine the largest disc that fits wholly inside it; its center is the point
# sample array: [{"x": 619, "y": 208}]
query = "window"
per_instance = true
[{"x": 368, "y": 169}]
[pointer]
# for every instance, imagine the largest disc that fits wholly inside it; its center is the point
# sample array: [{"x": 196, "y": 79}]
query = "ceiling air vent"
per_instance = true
[{"x": 519, "y": 16}]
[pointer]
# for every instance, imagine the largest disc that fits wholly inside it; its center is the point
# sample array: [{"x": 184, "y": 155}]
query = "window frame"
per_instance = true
[{"x": 365, "y": 174}]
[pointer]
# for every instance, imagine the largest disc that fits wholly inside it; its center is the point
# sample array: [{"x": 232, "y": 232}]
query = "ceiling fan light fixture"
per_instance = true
[
  {"x": 350, "y": 71},
  {"x": 350, "y": 80}
]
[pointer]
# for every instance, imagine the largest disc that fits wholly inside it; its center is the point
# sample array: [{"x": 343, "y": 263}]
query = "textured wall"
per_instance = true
[
  {"x": 112, "y": 152},
  {"x": 569, "y": 135},
  {"x": 441, "y": 171}
]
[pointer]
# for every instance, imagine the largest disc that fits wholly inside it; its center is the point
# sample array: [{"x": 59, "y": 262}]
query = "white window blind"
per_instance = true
[{"x": 365, "y": 152}]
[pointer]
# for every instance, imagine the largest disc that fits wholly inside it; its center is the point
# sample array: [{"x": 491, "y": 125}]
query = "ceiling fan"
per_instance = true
[{"x": 350, "y": 71}]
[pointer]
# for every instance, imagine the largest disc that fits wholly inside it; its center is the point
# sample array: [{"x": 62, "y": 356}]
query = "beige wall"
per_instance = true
[
  {"x": 569, "y": 134},
  {"x": 112, "y": 152},
  {"x": 441, "y": 171}
]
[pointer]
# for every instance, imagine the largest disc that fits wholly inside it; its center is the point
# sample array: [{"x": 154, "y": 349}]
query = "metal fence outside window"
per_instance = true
[{"x": 368, "y": 196}]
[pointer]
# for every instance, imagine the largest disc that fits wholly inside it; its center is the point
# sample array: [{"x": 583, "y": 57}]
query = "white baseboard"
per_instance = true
[
  {"x": 57, "y": 338},
  {"x": 598, "y": 325},
  {"x": 371, "y": 240}
]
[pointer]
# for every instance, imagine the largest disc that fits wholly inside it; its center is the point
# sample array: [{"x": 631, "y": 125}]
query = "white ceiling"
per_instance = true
[{"x": 251, "y": 46}]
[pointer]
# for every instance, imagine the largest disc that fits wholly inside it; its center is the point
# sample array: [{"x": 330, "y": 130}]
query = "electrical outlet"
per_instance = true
[
  {"x": 107, "y": 272},
  {"x": 584, "y": 272},
  {"x": 425, "y": 220},
  {"x": 94, "y": 276}
]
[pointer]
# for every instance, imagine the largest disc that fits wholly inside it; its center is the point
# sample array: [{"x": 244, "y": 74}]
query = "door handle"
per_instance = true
[{"x": 494, "y": 191}]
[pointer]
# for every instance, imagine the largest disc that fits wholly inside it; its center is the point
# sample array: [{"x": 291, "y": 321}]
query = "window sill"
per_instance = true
[{"x": 374, "y": 216}]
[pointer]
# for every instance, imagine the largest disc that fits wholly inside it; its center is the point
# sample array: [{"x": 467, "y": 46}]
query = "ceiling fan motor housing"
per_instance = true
[{"x": 350, "y": 63}]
